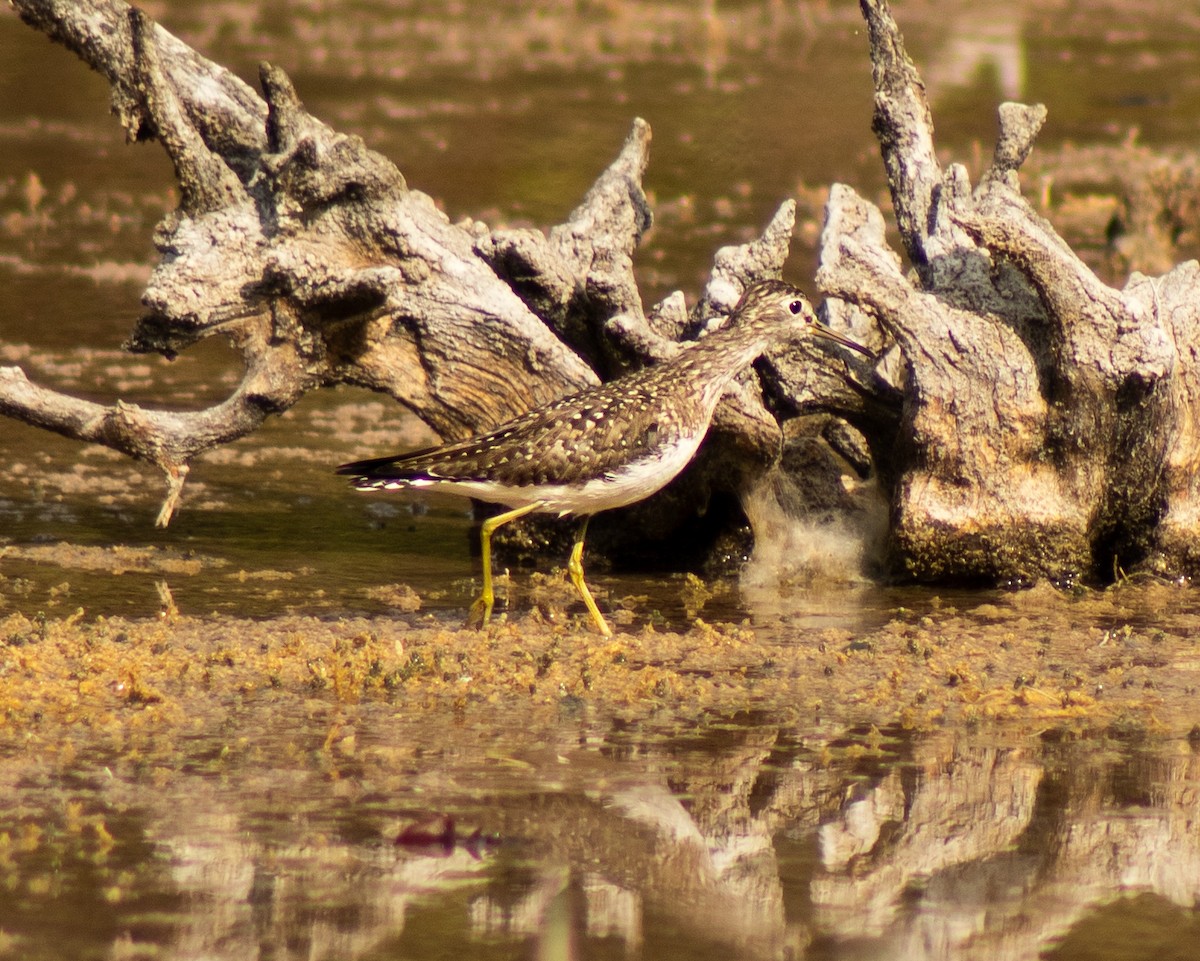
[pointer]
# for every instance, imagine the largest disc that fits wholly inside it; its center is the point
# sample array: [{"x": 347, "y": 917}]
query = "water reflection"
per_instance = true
[
  {"x": 749, "y": 838},
  {"x": 980, "y": 41}
]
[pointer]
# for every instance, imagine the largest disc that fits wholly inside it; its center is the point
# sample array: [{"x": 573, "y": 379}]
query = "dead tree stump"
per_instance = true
[
  {"x": 1048, "y": 425},
  {"x": 1025, "y": 419}
]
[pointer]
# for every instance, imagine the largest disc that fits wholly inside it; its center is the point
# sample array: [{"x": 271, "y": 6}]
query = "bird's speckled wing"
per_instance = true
[{"x": 581, "y": 436}]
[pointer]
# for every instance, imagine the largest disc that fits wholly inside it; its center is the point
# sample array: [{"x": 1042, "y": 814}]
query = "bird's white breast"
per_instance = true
[
  {"x": 635, "y": 481},
  {"x": 617, "y": 488}
]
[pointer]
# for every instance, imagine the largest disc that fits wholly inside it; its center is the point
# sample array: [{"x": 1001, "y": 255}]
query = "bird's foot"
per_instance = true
[
  {"x": 601, "y": 623},
  {"x": 479, "y": 615}
]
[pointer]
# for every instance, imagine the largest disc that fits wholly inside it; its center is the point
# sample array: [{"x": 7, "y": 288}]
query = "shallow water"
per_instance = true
[
  {"x": 355, "y": 833},
  {"x": 504, "y": 114},
  {"x": 267, "y": 827}
]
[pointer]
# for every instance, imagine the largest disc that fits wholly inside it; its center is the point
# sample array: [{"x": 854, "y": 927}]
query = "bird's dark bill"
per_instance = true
[{"x": 820, "y": 330}]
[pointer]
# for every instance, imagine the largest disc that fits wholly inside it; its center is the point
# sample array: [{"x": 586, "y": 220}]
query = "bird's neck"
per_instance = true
[{"x": 715, "y": 361}]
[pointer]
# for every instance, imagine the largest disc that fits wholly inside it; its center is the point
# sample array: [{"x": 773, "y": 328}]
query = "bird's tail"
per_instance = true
[{"x": 384, "y": 468}]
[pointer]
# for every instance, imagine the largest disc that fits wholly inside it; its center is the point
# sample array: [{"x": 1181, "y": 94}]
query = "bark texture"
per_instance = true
[
  {"x": 1047, "y": 424},
  {"x": 310, "y": 253},
  {"x": 1026, "y": 419}
]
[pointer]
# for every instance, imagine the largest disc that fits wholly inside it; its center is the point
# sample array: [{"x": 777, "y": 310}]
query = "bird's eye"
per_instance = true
[{"x": 796, "y": 306}]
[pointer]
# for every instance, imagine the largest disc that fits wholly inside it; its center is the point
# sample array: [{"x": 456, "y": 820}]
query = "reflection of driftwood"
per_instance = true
[
  {"x": 1029, "y": 420},
  {"x": 984, "y": 854},
  {"x": 929, "y": 848},
  {"x": 314, "y": 257},
  {"x": 1047, "y": 425}
]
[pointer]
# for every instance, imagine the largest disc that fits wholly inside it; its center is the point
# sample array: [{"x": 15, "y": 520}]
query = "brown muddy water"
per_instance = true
[{"x": 260, "y": 734}]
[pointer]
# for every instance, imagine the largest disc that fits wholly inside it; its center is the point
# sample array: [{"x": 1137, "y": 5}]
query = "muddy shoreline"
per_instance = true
[{"x": 1016, "y": 665}]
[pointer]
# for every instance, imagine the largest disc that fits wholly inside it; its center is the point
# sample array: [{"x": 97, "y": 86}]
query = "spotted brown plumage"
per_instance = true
[
  {"x": 561, "y": 443},
  {"x": 605, "y": 446}
]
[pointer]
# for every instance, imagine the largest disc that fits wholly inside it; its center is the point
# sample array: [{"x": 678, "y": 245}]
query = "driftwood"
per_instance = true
[
  {"x": 1047, "y": 427},
  {"x": 311, "y": 254},
  {"x": 1025, "y": 420}
]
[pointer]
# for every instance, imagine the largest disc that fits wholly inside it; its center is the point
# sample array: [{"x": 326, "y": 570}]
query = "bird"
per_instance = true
[{"x": 605, "y": 446}]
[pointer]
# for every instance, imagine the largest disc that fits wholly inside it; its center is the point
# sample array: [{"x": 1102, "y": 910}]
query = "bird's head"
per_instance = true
[{"x": 774, "y": 306}]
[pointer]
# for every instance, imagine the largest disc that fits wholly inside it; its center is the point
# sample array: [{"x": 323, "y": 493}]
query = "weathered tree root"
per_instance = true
[
  {"x": 1047, "y": 426},
  {"x": 312, "y": 255},
  {"x": 1027, "y": 420}
]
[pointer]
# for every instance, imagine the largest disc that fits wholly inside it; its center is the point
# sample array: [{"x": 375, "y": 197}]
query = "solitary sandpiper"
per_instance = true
[{"x": 605, "y": 446}]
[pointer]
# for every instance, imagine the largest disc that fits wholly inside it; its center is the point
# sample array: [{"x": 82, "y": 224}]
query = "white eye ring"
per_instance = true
[{"x": 796, "y": 306}]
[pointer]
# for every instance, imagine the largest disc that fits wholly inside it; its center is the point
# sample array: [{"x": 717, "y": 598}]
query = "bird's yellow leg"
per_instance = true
[
  {"x": 575, "y": 571},
  {"x": 481, "y": 610}
]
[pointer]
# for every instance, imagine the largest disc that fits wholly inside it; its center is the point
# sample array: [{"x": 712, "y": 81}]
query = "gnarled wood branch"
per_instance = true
[
  {"x": 1046, "y": 427},
  {"x": 1028, "y": 420},
  {"x": 316, "y": 259}
]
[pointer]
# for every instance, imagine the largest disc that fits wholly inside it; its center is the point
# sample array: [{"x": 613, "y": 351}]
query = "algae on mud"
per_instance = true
[
  {"x": 992, "y": 775},
  {"x": 1125, "y": 658}
]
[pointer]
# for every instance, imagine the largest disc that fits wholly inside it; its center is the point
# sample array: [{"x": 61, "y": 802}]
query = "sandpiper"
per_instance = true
[{"x": 602, "y": 447}]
